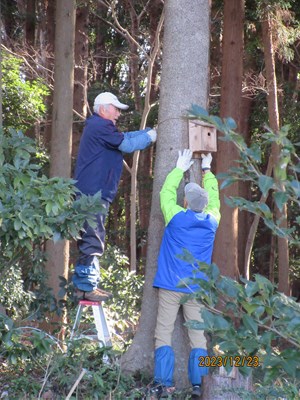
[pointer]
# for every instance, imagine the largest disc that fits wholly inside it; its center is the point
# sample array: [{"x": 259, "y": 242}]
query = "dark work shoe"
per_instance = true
[
  {"x": 157, "y": 391},
  {"x": 197, "y": 392},
  {"x": 95, "y": 295},
  {"x": 167, "y": 392}
]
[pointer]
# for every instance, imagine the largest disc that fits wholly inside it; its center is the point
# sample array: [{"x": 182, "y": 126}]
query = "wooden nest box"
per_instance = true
[{"x": 202, "y": 137}]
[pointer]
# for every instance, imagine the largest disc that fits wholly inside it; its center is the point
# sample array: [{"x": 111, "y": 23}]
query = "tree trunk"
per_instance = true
[
  {"x": 30, "y": 23},
  {"x": 145, "y": 176},
  {"x": 186, "y": 37},
  {"x": 133, "y": 56},
  {"x": 245, "y": 218},
  {"x": 47, "y": 37},
  {"x": 135, "y": 88},
  {"x": 145, "y": 112},
  {"x": 226, "y": 244},
  {"x": 282, "y": 243},
  {"x": 1, "y": 99},
  {"x": 61, "y": 139},
  {"x": 100, "y": 55},
  {"x": 80, "y": 72}
]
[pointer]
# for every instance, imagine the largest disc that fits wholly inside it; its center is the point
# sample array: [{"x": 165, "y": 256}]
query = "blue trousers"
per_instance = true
[{"x": 90, "y": 246}]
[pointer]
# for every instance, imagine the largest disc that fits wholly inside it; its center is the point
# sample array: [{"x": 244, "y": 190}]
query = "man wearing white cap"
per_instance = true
[
  {"x": 192, "y": 227},
  {"x": 98, "y": 168}
]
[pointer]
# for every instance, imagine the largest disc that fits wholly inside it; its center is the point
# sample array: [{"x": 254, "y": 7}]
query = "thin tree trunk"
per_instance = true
[
  {"x": 135, "y": 162},
  {"x": 135, "y": 87},
  {"x": 146, "y": 158},
  {"x": 283, "y": 251},
  {"x": 134, "y": 57},
  {"x": 272, "y": 258},
  {"x": 254, "y": 226},
  {"x": 245, "y": 218},
  {"x": 30, "y": 23},
  {"x": 61, "y": 139}
]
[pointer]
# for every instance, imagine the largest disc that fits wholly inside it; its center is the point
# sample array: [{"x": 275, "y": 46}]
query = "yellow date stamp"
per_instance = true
[{"x": 232, "y": 361}]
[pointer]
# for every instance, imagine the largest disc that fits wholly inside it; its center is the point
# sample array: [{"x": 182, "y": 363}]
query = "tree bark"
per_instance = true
[
  {"x": 100, "y": 52},
  {"x": 47, "y": 38},
  {"x": 244, "y": 217},
  {"x": 80, "y": 72},
  {"x": 226, "y": 244},
  {"x": 145, "y": 175},
  {"x": 135, "y": 87},
  {"x": 282, "y": 243},
  {"x": 133, "y": 45},
  {"x": 30, "y": 23},
  {"x": 186, "y": 37},
  {"x": 1, "y": 99},
  {"x": 61, "y": 139}
]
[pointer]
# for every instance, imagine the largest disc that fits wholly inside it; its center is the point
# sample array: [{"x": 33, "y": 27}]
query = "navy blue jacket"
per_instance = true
[{"x": 100, "y": 162}]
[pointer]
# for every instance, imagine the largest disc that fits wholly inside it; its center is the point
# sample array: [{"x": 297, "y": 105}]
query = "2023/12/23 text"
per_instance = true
[{"x": 232, "y": 361}]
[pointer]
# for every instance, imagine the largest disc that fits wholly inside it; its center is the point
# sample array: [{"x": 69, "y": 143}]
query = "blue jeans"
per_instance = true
[{"x": 91, "y": 246}]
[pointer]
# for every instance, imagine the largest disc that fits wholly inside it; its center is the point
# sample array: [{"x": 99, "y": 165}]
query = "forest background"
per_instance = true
[{"x": 52, "y": 68}]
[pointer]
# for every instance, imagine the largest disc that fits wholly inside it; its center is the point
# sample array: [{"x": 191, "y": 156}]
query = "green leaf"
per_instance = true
[
  {"x": 264, "y": 208},
  {"x": 17, "y": 224},
  {"x": 221, "y": 323},
  {"x": 214, "y": 272},
  {"x": 56, "y": 237},
  {"x": 280, "y": 199},
  {"x": 296, "y": 187},
  {"x": 229, "y": 286},
  {"x": 197, "y": 325},
  {"x": 254, "y": 152},
  {"x": 250, "y": 308},
  {"x": 250, "y": 324},
  {"x": 227, "y": 182},
  {"x": 260, "y": 310},
  {"x": 251, "y": 346},
  {"x": 265, "y": 183},
  {"x": 217, "y": 122},
  {"x": 229, "y": 346},
  {"x": 230, "y": 123},
  {"x": 208, "y": 319},
  {"x": 198, "y": 111},
  {"x": 266, "y": 339},
  {"x": 265, "y": 286},
  {"x": 251, "y": 288}
]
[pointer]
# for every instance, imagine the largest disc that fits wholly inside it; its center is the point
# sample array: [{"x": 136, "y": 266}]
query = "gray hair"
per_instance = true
[{"x": 97, "y": 106}]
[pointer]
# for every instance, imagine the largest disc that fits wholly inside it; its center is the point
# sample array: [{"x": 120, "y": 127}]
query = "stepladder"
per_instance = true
[{"x": 100, "y": 323}]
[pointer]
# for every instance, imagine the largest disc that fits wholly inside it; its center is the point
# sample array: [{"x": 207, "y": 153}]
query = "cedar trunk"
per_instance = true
[
  {"x": 61, "y": 139},
  {"x": 186, "y": 37},
  {"x": 226, "y": 244}
]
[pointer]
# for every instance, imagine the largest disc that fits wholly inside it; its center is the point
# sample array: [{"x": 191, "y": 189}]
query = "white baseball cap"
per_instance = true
[
  {"x": 109, "y": 98},
  {"x": 196, "y": 196}
]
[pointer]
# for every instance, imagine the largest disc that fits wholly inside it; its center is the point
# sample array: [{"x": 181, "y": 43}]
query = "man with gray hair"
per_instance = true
[
  {"x": 192, "y": 227},
  {"x": 98, "y": 169}
]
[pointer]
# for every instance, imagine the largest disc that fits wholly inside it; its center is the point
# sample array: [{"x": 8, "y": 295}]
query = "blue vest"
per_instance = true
[{"x": 188, "y": 230}]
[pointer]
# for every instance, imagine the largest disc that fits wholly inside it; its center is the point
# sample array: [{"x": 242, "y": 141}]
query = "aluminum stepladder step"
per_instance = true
[{"x": 103, "y": 335}]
